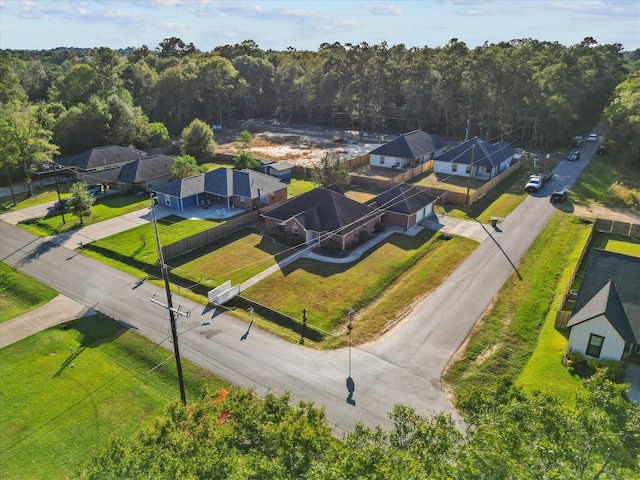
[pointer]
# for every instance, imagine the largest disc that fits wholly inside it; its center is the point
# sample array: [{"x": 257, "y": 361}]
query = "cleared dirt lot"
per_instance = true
[{"x": 304, "y": 146}]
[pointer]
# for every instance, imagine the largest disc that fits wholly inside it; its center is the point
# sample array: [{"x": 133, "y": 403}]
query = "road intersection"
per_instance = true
[{"x": 404, "y": 366}]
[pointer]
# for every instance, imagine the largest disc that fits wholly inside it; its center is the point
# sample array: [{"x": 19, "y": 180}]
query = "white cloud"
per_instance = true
[{"x": 382, "y": 9}]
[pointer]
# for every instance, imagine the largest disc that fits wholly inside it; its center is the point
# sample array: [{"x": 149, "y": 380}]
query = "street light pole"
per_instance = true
[{"x": 350, "y": 314}]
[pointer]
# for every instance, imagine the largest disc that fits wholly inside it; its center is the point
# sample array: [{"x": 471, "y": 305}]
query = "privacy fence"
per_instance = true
[{"x": 569, "y": 296}]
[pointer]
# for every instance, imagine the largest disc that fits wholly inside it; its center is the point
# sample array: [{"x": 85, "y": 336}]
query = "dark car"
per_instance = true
[
  {"x": 573, "y": 156},
  {"x": 602, "y": 150},
  {"x": 558, "y": 196},
  {"x": 62, "y": 204}
]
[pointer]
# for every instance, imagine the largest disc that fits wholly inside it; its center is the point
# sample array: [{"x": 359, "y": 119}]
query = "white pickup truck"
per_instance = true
[{"x": 534, "y": 184}]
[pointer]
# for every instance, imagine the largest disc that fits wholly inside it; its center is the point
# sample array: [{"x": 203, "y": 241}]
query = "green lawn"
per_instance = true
[
  {"x": 70, "y": 407},
  {"x": 107, "y": 207},
  {"x": 504, "y": 341},
  {"x": 237, "y": 257},
  {"x": 41, "y": 195},
  {"x": 326, "y": 290},
  {"x": 297, "y": 186},
  {"x": 20, "y": 293},
  {"x": 139, "y": 243}
]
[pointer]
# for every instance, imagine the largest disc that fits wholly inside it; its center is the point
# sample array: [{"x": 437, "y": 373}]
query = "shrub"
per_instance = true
[
  {"x": 593, "y": 364},
  {"x": 576, "y": 358},
  {"x": 379, "y": 227},
  {"x": 614, "y": 370},
  {"x": 363, "y": 236}
]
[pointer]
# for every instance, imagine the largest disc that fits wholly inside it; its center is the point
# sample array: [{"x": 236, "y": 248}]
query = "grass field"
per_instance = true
[
  {"x": 73, "y": 405},
  {"x": 105, "y": 208},
  {"x": 326, "y": 290},
  {"x": 139, "y": 243},
  {"x": 503, "y": 342},
  {"x": 20, "y": 293},
  {"x": 41, "y": 195},
  {"x": 237, "y": 257}
]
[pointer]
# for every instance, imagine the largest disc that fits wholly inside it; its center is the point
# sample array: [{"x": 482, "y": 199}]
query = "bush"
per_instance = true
[
  {"x": 593, "y": 364},
  {"x": 614, "y": 370},
  {"x": 379, "y": 227},
  {"x": 332, "y": 246},
  {"x": 363, "y": 236},
  {"x": 576, "y": 358}
]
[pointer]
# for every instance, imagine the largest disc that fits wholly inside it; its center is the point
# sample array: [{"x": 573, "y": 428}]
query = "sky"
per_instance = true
[{"x": 307, "y": 24}]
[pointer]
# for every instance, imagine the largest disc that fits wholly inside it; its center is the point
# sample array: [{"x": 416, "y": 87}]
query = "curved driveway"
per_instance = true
[{"x": 404, "y": 366}]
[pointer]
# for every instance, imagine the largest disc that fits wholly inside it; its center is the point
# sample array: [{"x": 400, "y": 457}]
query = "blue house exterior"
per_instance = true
[
  {"x": 280, "y": 170},
  {"x": 244, "y": 189}
]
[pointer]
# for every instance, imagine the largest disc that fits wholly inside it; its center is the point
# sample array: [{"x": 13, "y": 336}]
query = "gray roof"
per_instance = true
[
  {"x": 225, "y": 182},
  {"x": 280, "y": 166},
  {"x": 623, "y": 273},
  {"x": 323, "y": 210},
  {"x": 411, "y": 145},
  {"x": 403, "y": 198},
  {"x": 102, "y": 157},
  {"x": 484, "y": 154},
  {"x": 145, "y": 168}
]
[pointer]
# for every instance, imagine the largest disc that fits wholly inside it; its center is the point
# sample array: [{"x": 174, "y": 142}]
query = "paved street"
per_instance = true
[{"x": 404, "y": 366}]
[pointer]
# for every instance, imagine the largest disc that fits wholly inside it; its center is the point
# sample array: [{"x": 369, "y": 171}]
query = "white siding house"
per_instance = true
[{"x": 407, "y": 151}]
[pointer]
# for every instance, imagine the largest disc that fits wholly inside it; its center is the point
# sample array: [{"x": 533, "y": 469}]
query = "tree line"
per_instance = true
[{"x": 531, "y": 93}]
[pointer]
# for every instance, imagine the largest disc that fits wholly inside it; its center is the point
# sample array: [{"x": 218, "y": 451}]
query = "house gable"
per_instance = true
[
  {"x": 412, "y": 145},
  {"x": 479, "y": 153},
  {"x": 404, "y": 198}
]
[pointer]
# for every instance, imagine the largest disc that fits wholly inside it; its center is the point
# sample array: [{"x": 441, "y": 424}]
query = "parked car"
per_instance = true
[
  {"x": 573, "y": 156},
  {"x": 602, "y": 150},
  {"x": 62, "y": 204},
  {"x": 534, "y": 184},
  {"x": 576, "y": 142},
  {"x": 558, "y": 196},
  {"x": 593, "y": 138},
  {"x": 94, "y": 189}
]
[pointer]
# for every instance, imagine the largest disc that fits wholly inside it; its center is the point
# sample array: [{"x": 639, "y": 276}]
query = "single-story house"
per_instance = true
[
  {"x": 141, "y": 175},
  {"x": 245, "y": 189},
  {"x": 407, "y": 151},
  {"x": 280, "y": 170},
  {"x": 99, "y": 158},
  {"x": 476, "y": 158},
  {"x": 605, "y": 323},
  {"x": 323, "y": 215},
  {"x": 404, "y": 205}
]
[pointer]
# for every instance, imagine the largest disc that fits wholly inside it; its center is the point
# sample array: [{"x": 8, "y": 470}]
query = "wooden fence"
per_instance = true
[
  {"x": 600, "y": 225},
  {"x": 201, "y": 239},
  {"x": 482, "y": 191}
]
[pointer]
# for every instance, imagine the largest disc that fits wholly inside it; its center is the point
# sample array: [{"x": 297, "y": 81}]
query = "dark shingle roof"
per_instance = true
[
  {"x": 606, "y": 302},
  {"x": 623, "y": 271},
  {"x": 411, "y": 145},
  {"x": 403, "y": 198},
  {"x": 485, "y": 154},
  {"x": 225, "y": 182},
  {"x": 322, "y": 210},
  {"x": 102, "y": 157},
  {"x": 145, "y": 168}
]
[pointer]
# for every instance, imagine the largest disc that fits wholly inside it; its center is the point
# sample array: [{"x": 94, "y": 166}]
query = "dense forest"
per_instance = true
[{"x": 534, "y": 94}]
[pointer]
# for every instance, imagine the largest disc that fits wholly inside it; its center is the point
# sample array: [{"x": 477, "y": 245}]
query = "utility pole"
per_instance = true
[
  {"x": 169, "y": 305},
  {"x": 473, "y": 150},
  {"x": 55, "y": 174}
]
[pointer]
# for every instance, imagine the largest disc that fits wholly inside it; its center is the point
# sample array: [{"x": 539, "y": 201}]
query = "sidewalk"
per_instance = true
[
  {"x": 453, "y": 226},
  {"x": 59, "y": 310}
]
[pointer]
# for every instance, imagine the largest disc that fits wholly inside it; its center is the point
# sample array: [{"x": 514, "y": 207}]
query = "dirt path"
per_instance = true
[{"x": 597, "y": 210}]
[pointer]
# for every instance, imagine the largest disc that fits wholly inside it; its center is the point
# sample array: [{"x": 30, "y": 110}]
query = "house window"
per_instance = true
[
  {"x": 595, "y": 345},
  {"x": 489, "y": 170},
  {"x": 454, "y": 167},
  {"x": 381, "y": 160},
  {"x": 638, "y": 349},
  {"x": 468, "y": 169},
  {"x": 295, "y": 229},
  {"x": 167, "y": 200}
]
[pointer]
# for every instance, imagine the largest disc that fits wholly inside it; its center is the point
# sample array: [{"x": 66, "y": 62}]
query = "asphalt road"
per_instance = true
[{"x": 404, "y": 366}]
